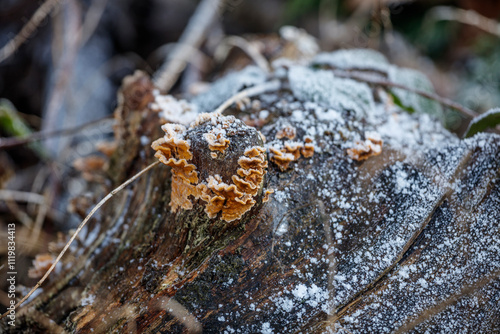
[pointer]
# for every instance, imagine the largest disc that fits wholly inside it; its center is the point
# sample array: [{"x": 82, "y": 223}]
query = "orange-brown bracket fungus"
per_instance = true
[
  {"x": 290, "y": 152},
  {"x": 227, "y": 182},
  {"x": 362, "y": 150}
]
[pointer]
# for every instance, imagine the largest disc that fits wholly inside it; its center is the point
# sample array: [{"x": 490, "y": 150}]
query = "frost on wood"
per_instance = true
[{"x": 374, "y": 243}]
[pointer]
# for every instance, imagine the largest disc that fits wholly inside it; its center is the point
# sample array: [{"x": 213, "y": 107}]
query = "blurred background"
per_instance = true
[{"x": 67, "y": 72}]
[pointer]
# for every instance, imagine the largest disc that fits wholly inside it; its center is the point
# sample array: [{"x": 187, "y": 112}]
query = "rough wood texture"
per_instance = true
[{"x": 360, "y": 247}]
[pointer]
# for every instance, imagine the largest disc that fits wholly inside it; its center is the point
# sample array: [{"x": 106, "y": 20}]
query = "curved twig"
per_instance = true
[
  {"x": 383, "y": 82},
  {"x": 250, "y": 50},
  {"x": 470, "y": 17},
  {"x": 252, "y": 91}
]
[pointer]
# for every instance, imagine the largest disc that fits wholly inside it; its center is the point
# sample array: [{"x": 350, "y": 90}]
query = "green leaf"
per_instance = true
[
  {"x": 487, "y": 120},
  {"x": 10, "y": 122}
]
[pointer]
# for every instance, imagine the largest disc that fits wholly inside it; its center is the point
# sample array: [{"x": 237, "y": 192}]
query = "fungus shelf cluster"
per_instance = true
[{"x": 218, "y": 160}]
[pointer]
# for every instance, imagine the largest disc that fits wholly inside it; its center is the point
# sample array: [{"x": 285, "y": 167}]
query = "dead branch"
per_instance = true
[{"x": 249, "y": 92}]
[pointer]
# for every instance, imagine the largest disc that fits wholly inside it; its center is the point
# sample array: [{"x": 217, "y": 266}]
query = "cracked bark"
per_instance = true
[{"x": 232, "y": 274}]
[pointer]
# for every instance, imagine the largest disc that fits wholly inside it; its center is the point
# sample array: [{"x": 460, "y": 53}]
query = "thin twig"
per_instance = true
[
  {"x": 470, "y": 17},
  {"x": 12, "y": 142},
  {"x": 249, "y": 92},
  {"x": 28, "y": 29},
  {"x": 19, "y": 214},
  {"x": 40, "y": 219},
  {"x": 164, "y": 50},
  {"x": 92, "y": 19},
  {"x": 467, "y": 290},
  {"x": 80, "y": 227},
  {"x": 21, "y": 196},
  {"x": 192, "y": 37},
  {"x": 250, "y": 50},
  {"x": 382, "y": 82}
]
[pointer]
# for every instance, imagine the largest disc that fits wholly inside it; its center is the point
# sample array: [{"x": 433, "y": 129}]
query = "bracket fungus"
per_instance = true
[
  {"x": 287, "y": 131},
  {"x": 291, "y": 151},
  {"x": 362, "y": 150},
  {"x": 227, "y": 182}
]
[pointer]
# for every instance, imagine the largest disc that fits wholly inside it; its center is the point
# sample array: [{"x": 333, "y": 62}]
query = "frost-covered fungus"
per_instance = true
[
  {"x": 173, "y": 151},
  {"x": 227, "y": 182},
  {"x": 308, "y": 149},
  {"x": 252, "y": 170},
  {"x": 362, "y": 150},
  {"x": 225, "y": 198},
  {"x": 230, "y": 182},
  {"x": 280, "y": 158},
  {"x": 290, "y": 151},
  {"x": 287, "y": 131},
  {"x": 216, "y": 140}
]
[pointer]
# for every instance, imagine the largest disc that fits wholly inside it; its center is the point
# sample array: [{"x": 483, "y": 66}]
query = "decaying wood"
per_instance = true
[{"x": 355, "y": 246}]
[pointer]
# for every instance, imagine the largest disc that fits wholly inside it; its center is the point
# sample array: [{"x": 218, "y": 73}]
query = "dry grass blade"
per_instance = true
[
  {"x": 21, "y": 196},
  {"x": 192, "y": 37},
  {"x": 470, "y": 17},
  {"x": 28, "y": 29},
  {"x": 82, "y": 224}
]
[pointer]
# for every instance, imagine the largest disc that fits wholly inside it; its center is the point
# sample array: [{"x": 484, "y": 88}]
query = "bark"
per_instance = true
[{"x": 322, "y": 253}]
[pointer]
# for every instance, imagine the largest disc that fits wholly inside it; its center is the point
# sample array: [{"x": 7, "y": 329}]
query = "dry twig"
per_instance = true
[
  {"x": 12, "y": 142},
  {"x": 192, "y": 37},
  {"x": 181, "y": 313},
  {"x": 386, "y": 83},
  {"x": 28, "y": 29},
  {"x": 235, "y": 41},
  {"x": 249, "y": 92}
]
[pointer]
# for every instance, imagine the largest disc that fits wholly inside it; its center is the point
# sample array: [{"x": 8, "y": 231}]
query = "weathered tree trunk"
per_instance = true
[{"x": 355, "y": 246}]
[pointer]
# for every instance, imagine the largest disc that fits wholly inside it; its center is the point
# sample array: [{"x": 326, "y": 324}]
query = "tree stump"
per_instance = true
[{"x": 360, "y": 237}]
